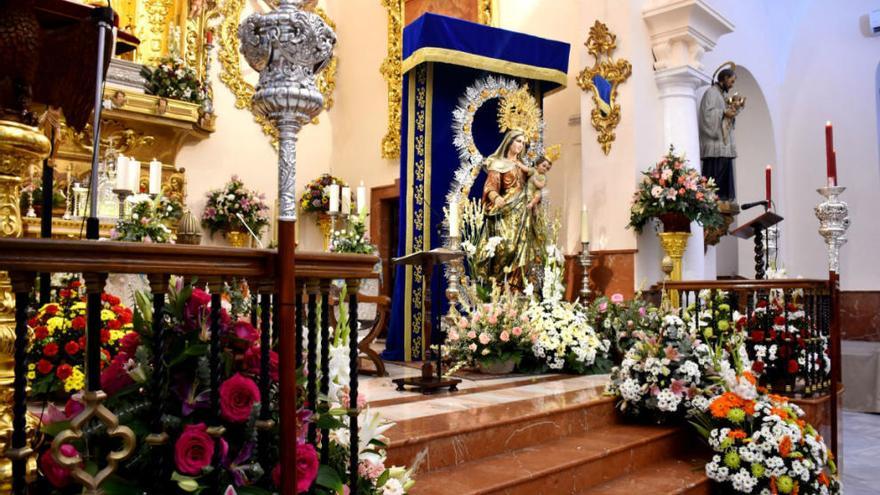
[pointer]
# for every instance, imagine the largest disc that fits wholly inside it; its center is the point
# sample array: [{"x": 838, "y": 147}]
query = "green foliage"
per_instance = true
[{"x": 171, "y": 78}]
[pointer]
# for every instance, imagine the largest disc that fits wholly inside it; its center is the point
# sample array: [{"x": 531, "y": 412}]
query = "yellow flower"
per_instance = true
[
  {"x": 32, "y": 366},
  {"x": 55, "y": 323},
  {"x": 32, "y": 375},
  {"x": 76, "y": 380},
  {"x": 116, "y": 335},
  {"x": 106, "y": 315},
  {"x": 78, "y": 306}
]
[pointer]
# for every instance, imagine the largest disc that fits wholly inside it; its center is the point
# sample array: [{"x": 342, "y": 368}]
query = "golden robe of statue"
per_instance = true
[{"x": 508, "y": 216}]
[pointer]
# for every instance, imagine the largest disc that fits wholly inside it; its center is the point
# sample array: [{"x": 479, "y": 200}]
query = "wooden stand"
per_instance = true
[
  {"x": 755, "y": 228},
  {"x": 428, "y": 383}
]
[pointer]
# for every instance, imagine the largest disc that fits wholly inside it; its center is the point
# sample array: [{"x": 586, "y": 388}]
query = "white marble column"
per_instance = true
[{"x": 681, "y": 32}]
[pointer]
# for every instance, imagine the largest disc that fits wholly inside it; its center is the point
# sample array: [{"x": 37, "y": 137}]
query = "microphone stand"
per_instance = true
[{"x": 104, "y": 18}]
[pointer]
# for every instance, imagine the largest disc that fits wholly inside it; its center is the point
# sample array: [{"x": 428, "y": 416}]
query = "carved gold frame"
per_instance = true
[
  {"x": 229, "y": 56},
  {"x": 391, "y": 66},
  {"x": 600, "y": 44}
]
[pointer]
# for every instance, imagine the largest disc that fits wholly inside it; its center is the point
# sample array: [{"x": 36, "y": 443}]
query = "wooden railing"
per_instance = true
[
  {"x": 214, "y": 266},
  {"x": 799, "y": 319}
]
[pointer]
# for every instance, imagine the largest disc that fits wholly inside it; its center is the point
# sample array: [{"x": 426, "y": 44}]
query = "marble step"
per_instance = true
[
  {"x": 684, "y": 475},
  {"x": 459, "y": 437},
  {"x": 571, "y": 464}
]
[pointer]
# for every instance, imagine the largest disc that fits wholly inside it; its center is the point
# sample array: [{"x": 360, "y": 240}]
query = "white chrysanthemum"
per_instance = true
[
  {"x": 743, "y": 481},
  {"x": 667, "y": 401}
]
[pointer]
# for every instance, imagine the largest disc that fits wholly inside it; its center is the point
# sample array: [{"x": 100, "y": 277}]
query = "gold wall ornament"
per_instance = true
[
  {"x": 391, "y": 68},
  {"x": 229, "y": 56},
  {"x": 602, "y": 79}
]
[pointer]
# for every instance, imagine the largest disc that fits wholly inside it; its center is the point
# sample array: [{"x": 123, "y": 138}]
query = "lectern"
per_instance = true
[
  {"x": 755, "y": 228},
  {"x": 428, "y": 383}
]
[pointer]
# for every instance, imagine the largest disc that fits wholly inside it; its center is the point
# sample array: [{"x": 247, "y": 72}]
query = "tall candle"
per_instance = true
[
  {"x": 585, "y": 226},
  {"x": 767, "y": 177},
  {"x": 832, "y": 179},
  {"x": 134, "y": 176},
  {"x": 155, "y": 176},
  {"x": 829, "y": 154},
  {"x": 334, "y": 198},
  {"x": 362, "y": 199},
  {"x": 346, "y": 200},
  {"x": 454, "y": 230},
  {"x": 122, "y": 172}
]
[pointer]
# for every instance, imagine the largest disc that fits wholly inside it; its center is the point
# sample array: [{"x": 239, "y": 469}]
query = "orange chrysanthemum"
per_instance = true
[
  {"x": 785, "y": 446},
  {"x": 736, "y": 434},
  {"x": 750, "y": 377},
  {"x": 823, "y": 478}
]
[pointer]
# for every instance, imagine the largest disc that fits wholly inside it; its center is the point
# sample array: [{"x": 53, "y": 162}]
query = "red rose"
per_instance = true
[
  {"x": 237, "y": 398},
  {"x": 58, "y": 476},
  {"x": 129, "y": 343},
  {"x": 44, "y": 367},
  {"x": 50, "y": 349},
  {"x": 757, "y": 336},
  {"x": 78, "y": 323},
  {"x": 252, "y": 362},
  {"x": 73, "y": 407},
  {"x": 779, "y": 320},
  {"x": 306, "y": 466},
  {"x": 792, "y": 366},
  {"x": 75, "y": 284},
  {"x": 105, "y": 335},
  {"x": 63, "y": 372},
  {"x": 193, "y": 450},
  {"x": 41, "y": 333},
  {"x": 52, "y": 309},
  {"x": 114, "y": 378},
  {"x": 64, "y": 293},
  {"x": 758, "y": 366},
  {"x": 71, "y": 348}
]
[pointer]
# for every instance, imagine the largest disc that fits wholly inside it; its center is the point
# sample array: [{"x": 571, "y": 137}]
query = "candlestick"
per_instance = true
[
  {"x": 767, "y": 177},
  {"x": 454, "y": 230},
  {"x": 334, "y": 198},
  {"x": 155, "y": 176},
  {"x": 134, "y": 176},
  {"x": 122, "y": 172},
  {"x": 346, "y": 200},
  {"x": 68, "y": 204},
  {"x": 829, "y": 153},
  {"x": 833, "y": 215},
  {"x": 362, "y": 199},
  {"x": 586, "y": 260},
  {"x": 585, "y": 227}
]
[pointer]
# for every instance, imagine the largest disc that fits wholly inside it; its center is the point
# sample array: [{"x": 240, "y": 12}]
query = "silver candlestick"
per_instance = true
[
  {"x": 454, "y": 270},
  {"x": 68, "y": 206},
  {"x": 586, "y": 260},
  {"x": 833, "y": 215}
]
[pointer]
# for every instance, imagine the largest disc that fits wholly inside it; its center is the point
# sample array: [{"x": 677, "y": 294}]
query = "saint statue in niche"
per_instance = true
[
  {"x": 510, "y": 198},
  {"x": 718, "y": 111}
]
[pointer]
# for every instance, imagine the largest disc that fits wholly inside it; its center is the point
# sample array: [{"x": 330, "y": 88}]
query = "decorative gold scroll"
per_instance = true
[
  {"x": 229, "y": 55},
  {"x": 606, "y": 115},
  {"x": 391, "y": 68}
]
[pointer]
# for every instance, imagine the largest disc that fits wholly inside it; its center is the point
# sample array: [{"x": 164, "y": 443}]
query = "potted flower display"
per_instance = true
[
  {"x": 148, "y": 220},
  {"x": 233, "y": 209},
  {"x": 171, "y": 78},
  {"x": 316, "y": 199},
  {"x": 676, "y": 194}
]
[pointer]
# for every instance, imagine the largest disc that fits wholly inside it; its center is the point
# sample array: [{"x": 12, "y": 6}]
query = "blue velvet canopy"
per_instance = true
[{"x": 442, "y": 56}]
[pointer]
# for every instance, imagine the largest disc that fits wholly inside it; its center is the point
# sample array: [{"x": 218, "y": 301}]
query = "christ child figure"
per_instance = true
[{"x": 537, "y": 180}]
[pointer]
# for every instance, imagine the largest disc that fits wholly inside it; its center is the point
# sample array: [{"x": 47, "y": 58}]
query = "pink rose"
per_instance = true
[
  {"x": 472, "y": 347},
  {"x": 58, "y": 476},
  {"x": 306, "y": 466},
  {"x": 463, "y": 323},
  {"x": 492, "y": 319},
  {"x": 504, "y": 336},
  {"x": 244, "y": 334},
  {"x": 252, "y": 362},
  {"x": 617, "y": 298},
  {"x": 472, "y": 334},
  {"x": 194, "y": 449},
  {"x": 485, "y": 338},
  {"x": 453, "y": 335},
  {"x": 237, "y": 398},
  {"x": 516, "y": 331}
]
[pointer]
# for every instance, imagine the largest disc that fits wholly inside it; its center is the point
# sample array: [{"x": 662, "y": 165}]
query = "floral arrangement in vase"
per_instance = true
[
  {"x": 55, "y": 356},
  {"x": 316, "y": 197},
  {"x": 676, "y": 194},
  {"x": 226, "y": 208},
  {"x": 352, "y": 239},
  {"x": 148, "y": 220},
  {"x": 489, "y": 332},
  {"x": 172, "y": 78},
  {"x": 617, "y": 319}
]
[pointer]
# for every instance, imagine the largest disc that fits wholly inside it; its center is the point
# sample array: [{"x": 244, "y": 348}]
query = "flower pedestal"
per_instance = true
[
  {"x": 496, "y": 367},
  {"x": 237, "y": 238},
  {"x": 674, "y": 245}
]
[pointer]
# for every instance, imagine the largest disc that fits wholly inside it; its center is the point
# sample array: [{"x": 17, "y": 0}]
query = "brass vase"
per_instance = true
[
  {"x": 238, "y": 239},
  {"x": 325, "y": 224}
]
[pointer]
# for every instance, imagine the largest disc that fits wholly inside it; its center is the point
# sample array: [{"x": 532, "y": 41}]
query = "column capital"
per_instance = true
[
  {"x": 680, "y": 81},
  {"x": 682, "y": 31}
]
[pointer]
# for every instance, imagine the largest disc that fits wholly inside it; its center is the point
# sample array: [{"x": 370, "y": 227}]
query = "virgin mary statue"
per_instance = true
[{"x": 507, "y": 215}]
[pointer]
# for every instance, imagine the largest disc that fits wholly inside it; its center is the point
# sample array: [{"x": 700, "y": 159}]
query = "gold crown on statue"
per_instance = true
[
  {"x": 553, "y": 152},
  {"x": 519, "y": 110}
]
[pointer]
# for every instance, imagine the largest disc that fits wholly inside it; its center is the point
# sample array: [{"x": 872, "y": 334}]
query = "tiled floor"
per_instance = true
[{"x": 861, "y": 451}]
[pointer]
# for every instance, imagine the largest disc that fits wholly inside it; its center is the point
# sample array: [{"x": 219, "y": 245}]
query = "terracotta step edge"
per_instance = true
[
  {"x": 551, "y": 470},
  {"x": 598, "y": 401},
  {"x": 665, "y": 463}
]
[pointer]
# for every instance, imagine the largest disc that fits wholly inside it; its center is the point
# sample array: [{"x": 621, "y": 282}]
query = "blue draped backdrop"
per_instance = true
[{"x": 442, "y": 56}]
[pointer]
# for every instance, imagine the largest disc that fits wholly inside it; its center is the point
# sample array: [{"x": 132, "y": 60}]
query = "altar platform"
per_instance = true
[{"x": 541, "y": 434}]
